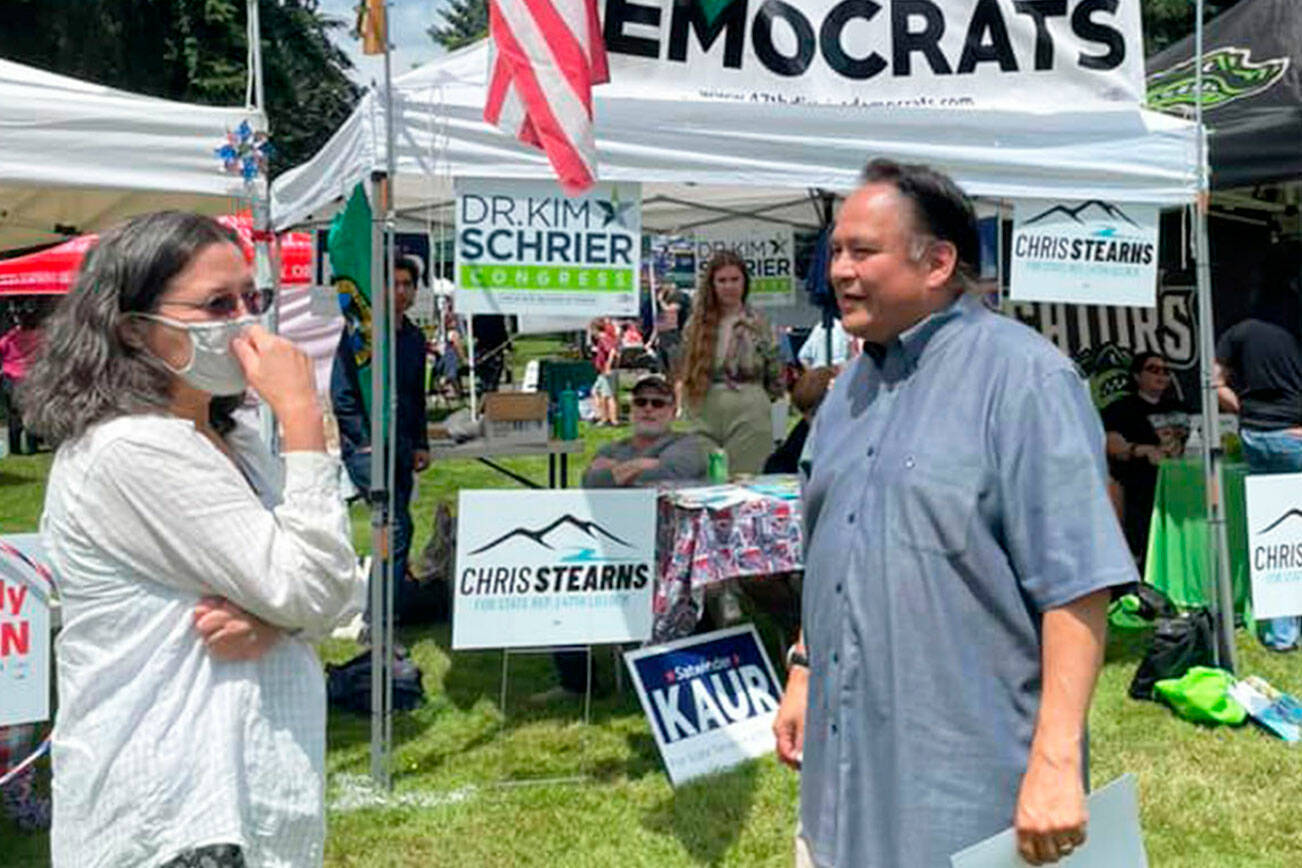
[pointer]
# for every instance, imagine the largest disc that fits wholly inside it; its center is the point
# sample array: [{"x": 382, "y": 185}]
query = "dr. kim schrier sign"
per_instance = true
[
  {"x": 551, "y": 568},
  {"x": 1275, "y": 543},
  {"x": 769, "y": 253},
  {"x": 523, "y": 247},
  {"x": 1090, "y": 252}
]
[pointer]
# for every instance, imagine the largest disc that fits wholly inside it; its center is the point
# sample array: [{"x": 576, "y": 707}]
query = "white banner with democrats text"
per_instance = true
[{"x": 936, "y": 54}]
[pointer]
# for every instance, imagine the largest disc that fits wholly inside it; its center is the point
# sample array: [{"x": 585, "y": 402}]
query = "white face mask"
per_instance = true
[{"x": 212, "y": 368}]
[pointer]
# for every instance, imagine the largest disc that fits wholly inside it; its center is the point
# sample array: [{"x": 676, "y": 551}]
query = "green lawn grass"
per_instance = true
[{"x": 1212, "y": 798}]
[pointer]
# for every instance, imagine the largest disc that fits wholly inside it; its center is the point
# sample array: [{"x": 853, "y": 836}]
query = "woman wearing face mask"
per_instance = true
[
  {"x": 193, "y": 569},
  {"x": 731, "y": 371}
]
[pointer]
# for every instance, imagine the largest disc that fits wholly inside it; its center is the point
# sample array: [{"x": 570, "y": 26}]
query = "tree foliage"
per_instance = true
[
  {"x": 464, "y": 22},
  {"x": 1169, "y": 21},
  {"x": 195, "y": 51}
]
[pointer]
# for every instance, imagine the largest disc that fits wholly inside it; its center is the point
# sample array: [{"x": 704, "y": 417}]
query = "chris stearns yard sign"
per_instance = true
[
  {"x": 524, "y": 247},
  {"x": 769, "y": 252},
  {"x": 1274, "y": 504},
  {"x": 25, "y": 588},
  {"x": 1091, "y": 252},
  {"x": 710, "y": 699},
  {"x": 880, "y": 53},
  {"x": 549, "y": 568}
]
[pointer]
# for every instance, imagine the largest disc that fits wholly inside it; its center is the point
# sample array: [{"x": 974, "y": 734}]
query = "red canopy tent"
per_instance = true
[{"x": 52, "y": 271}]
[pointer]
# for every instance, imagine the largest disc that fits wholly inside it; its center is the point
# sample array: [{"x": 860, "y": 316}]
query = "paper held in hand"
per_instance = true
[{"x": 1112, "y": 840}]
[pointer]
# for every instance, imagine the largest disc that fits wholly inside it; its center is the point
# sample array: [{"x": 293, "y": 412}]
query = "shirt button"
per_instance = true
[
  {"x": 908, "y": 462},
  {"x": 834, "y": 729},
  {"x": 871, "y": 451},
  {"x": 836, "y": 658},
  {"x": 838, "y": 587},
  {"x": 850, "y": 518}
]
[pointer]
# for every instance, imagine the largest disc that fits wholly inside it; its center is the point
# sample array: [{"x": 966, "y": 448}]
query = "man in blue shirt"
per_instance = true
[{"x": 959, "y": 549}]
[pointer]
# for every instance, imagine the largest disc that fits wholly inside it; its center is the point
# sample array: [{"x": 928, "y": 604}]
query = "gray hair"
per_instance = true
[{"x": 93, "y": 365}]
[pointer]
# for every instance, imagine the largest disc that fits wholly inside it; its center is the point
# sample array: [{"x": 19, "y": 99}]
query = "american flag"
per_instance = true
[{"x": 547, "y": 56}]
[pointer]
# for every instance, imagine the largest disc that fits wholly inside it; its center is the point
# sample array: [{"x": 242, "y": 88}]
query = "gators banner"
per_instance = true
[
  {"x": 889, "y": 53},
  {"x": 710, "y": 699},
  {"x": 523, "y": 247}
]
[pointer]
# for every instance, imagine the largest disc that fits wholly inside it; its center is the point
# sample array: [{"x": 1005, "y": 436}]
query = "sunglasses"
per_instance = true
[
  {"x": 658, "y": 403},
  {"x": 256, "y": 301},
  {"x": 1150, "y": 369}
]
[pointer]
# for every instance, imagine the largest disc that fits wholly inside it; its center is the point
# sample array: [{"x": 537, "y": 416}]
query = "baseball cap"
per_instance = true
[{"x": 656, "y": 381}]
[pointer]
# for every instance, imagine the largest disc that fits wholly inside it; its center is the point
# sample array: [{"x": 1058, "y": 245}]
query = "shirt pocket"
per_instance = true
[{"x": 931, "y": 506}]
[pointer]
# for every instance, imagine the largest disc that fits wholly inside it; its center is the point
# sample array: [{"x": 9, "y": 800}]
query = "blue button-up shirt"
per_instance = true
[{"x": 958, "y": 490}]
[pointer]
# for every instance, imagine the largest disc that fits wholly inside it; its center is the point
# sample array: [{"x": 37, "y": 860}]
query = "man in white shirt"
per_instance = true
[{"x": 813, "y": 353}]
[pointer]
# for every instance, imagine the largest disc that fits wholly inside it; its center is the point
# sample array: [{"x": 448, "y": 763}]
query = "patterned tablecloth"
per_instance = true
[{"x": 707, "y": 535}]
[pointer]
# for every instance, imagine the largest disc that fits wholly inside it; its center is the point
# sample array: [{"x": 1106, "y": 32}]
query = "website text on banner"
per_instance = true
[
  {"x": 1275, "y": 544},
  {"x": 553, "y": 568},
  {"x": 25, "y": 587},
  {"x": 769, "y": 251},
  {"x": 1092, "y": 252},
  {"x": 710, "y": 699},
  {"x": 911, "y": 53},
  {"x": 523, "y": 247}
]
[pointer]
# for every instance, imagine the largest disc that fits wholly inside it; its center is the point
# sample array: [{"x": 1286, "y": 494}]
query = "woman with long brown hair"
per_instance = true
[{"x": 730, "y": 370}]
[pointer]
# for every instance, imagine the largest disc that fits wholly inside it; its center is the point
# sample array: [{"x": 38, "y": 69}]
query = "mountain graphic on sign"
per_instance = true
[
  {"x": 540, "y": 536},
  {"x": 1292, "y": 513},
  {"x": 1093, "y": 209}
]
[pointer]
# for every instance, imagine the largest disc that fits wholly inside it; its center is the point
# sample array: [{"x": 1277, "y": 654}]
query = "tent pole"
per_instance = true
[
  {"x": 391, "y": 371},
  {"x": 378, "y": 496},
  {"x": 1218, "y": 550}
]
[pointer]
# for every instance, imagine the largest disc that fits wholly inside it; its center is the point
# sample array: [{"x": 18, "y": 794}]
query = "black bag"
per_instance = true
[
  {"x": 1153, "y": 604},
  {"x": 1178, "y": 643},
  {"x": 348, "y": 685}
]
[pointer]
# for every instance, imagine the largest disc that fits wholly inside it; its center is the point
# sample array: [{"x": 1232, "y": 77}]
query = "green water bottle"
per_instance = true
[
  {"x": 717, "y": 468},
  {"x": 569, "y": 413}
]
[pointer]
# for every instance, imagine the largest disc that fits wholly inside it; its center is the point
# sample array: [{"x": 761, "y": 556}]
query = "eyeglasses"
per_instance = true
[
  {"x": 226, "y": 305},
  {"x": 1158, "y": 369},
  {"x": 658, "y": 403}
]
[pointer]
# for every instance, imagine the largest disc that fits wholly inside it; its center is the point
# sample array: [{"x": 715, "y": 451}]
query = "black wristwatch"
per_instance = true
[{"x": 796, "y": 656}]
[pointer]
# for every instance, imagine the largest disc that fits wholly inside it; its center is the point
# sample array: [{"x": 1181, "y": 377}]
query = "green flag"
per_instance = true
[{"x": 349, "y": 245}]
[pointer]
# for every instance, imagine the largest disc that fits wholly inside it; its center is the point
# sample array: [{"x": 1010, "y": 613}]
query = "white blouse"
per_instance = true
[{"x": 159, "y": 747}]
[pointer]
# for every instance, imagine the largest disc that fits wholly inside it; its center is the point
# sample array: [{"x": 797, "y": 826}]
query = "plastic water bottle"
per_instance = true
[{"x": 569, "y": 413}]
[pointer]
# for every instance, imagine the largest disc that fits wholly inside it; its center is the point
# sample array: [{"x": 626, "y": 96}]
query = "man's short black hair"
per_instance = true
[
  {"x": 411, "y": 265},
  {"x": 941, "y": 208}
]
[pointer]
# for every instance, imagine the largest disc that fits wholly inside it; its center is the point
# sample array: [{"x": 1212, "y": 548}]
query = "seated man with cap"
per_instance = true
[{"x": 654, "y": 453}]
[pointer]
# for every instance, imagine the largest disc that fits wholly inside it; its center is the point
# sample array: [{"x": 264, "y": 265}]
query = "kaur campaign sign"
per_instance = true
[
  {"x": 25, "y": 587},
  {"x": 1092, "y": 252},
  {"x": 523, "y": 247},
  {"x": 769, "y": 252},
  {"x": 552, "y": 568},
  {"x": 710, "y": 699}
]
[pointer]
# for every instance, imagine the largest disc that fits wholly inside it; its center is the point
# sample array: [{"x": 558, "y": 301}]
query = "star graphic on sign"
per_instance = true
[{"x": 614, "y": 210}]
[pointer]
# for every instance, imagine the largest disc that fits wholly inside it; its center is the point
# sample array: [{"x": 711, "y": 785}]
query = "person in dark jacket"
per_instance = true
[
  {"x": 806, "y": 395},
  {"x": 353, "y": 415}
]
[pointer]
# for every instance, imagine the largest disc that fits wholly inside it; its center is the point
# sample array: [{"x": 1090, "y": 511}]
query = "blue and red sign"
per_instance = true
[{"x": 710, "y": 700}]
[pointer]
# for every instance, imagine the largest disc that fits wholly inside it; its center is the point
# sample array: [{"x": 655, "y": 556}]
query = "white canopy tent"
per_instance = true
[
  {"x": 704, "y": 161},
  {"x": 77, "y": 157},
  {"x": 700, "y": 159}
]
